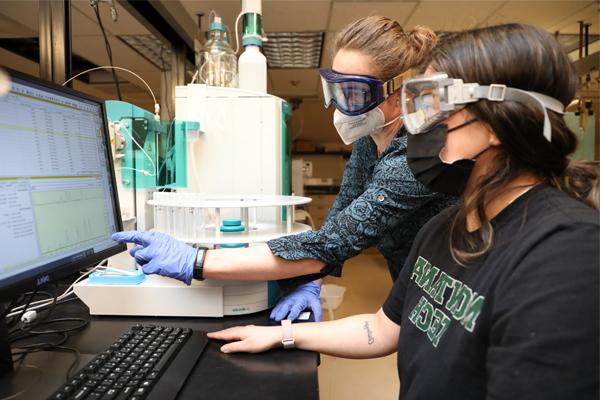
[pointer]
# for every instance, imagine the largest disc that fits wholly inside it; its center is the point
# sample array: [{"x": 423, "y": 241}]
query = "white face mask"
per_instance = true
[{"x": 352, "y": 128}]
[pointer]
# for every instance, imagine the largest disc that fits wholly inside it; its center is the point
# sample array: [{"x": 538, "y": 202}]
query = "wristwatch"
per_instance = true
[
  {"x": 287, "y": 338},
  {"x": 198, "y": 272}
]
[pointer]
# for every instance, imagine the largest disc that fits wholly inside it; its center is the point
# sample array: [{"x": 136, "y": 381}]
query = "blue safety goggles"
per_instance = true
[{"x": 356, "y": 94}]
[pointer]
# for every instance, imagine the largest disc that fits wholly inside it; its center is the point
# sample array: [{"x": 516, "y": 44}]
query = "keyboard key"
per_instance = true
[
  {"x": 68, "y": 389},
  {"x": 75, "y": 382},
  {"x": 110, "y": 394},
  {"x": 82, "y": 393},
  {"x": 90, "y": 369},
  {"x": 100, "y": 388}
]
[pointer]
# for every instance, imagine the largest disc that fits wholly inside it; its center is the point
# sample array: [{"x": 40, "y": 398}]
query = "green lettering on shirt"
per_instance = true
[
  {"x": 463, "y": 303},
  {"x": 424, "y": 322},
  {"x": 418, "y": 269},
  {"x": 438, "y": 327},
  {"x": 417, "y": 310},
  {"x": 430, "y": 320},
  {"x": 436, "y": 291},
  {"x": 472, "y": 312},
  {"x": 464, "y": 296},
  {"x": 428, "y": 276}
]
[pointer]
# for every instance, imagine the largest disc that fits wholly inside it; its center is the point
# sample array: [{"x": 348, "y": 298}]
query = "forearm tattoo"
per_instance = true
[{"x": 367, "y": 328}]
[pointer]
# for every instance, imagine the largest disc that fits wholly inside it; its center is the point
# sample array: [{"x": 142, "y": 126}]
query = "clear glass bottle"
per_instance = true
[{"x": 218, "y": 61}]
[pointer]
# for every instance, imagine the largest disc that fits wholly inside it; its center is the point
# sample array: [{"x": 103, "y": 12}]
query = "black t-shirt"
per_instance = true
[{"x": 521, "y": 323}]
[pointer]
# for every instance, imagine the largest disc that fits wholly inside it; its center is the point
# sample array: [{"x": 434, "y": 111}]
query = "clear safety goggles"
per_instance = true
[
  {"x": 356, "y": 94},
  {"x": 429, "y": 99}
]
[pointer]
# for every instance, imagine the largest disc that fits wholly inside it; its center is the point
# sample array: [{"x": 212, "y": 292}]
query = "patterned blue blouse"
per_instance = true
[{"x": 380, "y": 203}]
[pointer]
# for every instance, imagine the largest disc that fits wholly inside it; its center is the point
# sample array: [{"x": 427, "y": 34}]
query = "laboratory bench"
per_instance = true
[{"x": 276, "y": 374}]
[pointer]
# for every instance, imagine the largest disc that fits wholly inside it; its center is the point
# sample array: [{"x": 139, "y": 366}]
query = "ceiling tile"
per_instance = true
[
  {"x": 92, "y": 49},
  {"x": 327, "y": 54},
  {"x": 295, "y": 16},
  {"x": 451, "y": 16},
  {"x": 10, "y": 28},
  {"x": 278, "y": 15},
  {"x": 228, "y": 10},
  {"x": 294, "y": 82},
  {"x": 544, "y": 14},
  {"x": 25, "y": 12},
  {"x": 344, "y": 13},
  {"x": 589, "y": 14}
]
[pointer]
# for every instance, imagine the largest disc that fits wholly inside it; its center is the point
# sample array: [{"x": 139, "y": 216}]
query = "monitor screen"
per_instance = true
[{"x": 58, "y": 204}]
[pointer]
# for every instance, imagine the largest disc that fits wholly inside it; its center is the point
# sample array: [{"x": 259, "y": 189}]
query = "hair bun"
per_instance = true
[{"x": 423, "y": 39}]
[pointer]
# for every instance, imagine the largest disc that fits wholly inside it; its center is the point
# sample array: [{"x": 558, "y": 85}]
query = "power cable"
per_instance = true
[{"x": 94, "y": 5}]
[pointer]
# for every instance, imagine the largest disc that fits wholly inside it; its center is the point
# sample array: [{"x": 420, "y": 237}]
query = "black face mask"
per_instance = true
[{"x": 423, "y": 157}]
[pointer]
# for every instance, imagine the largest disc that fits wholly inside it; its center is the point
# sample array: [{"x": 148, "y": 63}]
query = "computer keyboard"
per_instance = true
[{"x": 146, "y": 362}]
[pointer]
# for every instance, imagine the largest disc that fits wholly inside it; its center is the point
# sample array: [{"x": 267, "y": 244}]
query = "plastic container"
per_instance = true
[
  {"x": 253, "y": 70},
  {"x": 218, "y": 61},
  {"x": 332, "y": 295}
]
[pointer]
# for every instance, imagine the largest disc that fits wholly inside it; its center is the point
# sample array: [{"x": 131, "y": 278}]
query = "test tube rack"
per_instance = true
[{"x": 196, "y": 218}]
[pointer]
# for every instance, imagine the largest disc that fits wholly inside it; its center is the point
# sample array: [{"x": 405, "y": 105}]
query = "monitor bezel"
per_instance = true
[{"x": 30, "y": 282}]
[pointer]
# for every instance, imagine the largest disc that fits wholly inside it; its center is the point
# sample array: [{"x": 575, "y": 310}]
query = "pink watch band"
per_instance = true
[{"x": 287, "y": 339}]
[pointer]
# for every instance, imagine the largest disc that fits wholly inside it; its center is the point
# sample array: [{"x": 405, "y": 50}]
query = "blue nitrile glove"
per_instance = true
[
  {"x": 161, "y": 254},
  {"x": 305, "y": 296}
]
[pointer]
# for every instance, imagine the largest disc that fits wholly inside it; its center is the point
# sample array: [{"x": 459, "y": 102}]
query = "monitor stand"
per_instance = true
[{"x": 14, "y": 383}]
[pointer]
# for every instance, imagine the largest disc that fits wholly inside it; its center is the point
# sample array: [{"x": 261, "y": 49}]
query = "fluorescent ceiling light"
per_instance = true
[{"x": 294, "y": 49}]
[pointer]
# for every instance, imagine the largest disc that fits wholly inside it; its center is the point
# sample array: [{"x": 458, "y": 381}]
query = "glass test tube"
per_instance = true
[
  {"x": 190, "y": 224},
  {"x": 198, "y": 223}
]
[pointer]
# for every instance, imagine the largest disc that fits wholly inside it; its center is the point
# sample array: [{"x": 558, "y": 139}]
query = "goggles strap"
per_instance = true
[
  {"x": 468, "y": 122},
  {"x": 499, "y": 93},
  {"x": 395, "y": 83}
]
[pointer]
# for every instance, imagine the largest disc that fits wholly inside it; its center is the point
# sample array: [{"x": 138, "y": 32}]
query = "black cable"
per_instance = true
[
  {"x": 164, "y": 71},
  {"x": 28, "y": 331},
  {"x": 27, "y": 305},
  {"x": 40, "y": 346},
  {"x": 74, "y": 363},
  {"x": 39, "y": 310},
  {"x": 108, "y": 49},
  {"x": 23, "y": 350},
  {"x": 13, "y": 303}
]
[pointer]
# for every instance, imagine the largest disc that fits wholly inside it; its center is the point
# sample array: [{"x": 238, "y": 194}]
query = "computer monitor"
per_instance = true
[{"x": 58, "y": 198}]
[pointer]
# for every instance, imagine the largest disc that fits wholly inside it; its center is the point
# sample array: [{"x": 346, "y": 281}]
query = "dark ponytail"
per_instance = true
[{"x": 579, "y": 180}]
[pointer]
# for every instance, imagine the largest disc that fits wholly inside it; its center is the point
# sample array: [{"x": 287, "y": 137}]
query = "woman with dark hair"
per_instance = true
[{"x": 499, "y": 295}]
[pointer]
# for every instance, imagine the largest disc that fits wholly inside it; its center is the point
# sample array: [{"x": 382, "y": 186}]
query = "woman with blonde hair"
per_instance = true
[{"x": 380, "y": 203}]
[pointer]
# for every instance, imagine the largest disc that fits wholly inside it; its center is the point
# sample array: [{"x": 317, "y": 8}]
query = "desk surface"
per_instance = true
[{"x": 272, "y": 375}]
